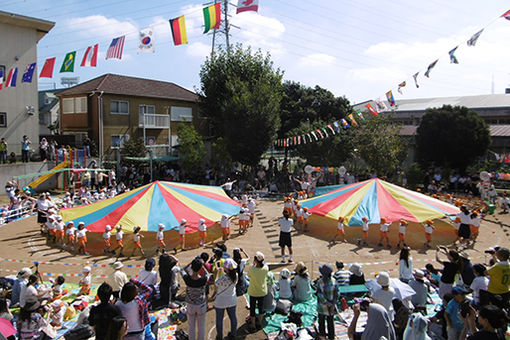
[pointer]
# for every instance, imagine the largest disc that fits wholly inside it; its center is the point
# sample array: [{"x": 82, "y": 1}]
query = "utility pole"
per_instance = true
[{"x": 221, "y": 36}]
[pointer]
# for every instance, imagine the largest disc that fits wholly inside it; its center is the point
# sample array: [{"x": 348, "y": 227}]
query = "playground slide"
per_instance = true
[{"x": 43, "y": 178}]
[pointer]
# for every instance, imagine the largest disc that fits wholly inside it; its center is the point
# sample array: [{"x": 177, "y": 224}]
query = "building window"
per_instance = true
[
  {"x": 119, "y": 140},
  {"x": 74, "y": 105},
  {"x": 3, "y": 119},
  {"x": 181, "y": 114},
  {"x": 150, "y": 140},
  {"x": 174, "y": 140},
  {"x": 118, "y": 107},
  {"x": 143, "y": 110}
]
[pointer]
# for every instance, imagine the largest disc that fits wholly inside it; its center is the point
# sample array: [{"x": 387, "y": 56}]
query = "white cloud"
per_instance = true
[
  {"x": 99, "y": 25},
  {"x": 198, "y": 49},
  {"x": 316, "y": 60}
]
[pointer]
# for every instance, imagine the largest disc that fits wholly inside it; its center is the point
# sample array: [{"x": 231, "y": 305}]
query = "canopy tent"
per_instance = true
[
  {"x": 375, "y": 198},
  {"x": 154, "y": 203}
]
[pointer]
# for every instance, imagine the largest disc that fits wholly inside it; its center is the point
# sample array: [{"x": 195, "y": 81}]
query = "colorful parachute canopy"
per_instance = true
[
  {"x": 158, "y": 202},
  {"x": 374, "y": 199}
]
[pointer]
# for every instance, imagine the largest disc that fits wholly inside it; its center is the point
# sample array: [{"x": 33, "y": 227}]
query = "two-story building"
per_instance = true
[
  {"x": 19, "y": 36},
  {"x": 112, "y": 108}
]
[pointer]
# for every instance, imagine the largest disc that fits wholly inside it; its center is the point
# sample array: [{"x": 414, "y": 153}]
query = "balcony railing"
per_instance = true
[{"x": 155, "y": 121}]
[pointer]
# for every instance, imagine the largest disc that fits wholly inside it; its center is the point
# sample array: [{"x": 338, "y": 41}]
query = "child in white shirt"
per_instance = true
[
  {"x": 385, "y": 226},
  {"x": 284, "y": 282}
]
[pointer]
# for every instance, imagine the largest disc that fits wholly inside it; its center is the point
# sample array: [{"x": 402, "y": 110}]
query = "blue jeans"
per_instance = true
[{"x": 231, "y": 311}]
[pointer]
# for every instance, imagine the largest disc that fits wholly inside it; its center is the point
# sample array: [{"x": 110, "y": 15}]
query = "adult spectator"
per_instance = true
[
  {"x": 419, "y": 299},
  {"x": 257, "y": 289},
  {"x": 378, "y": 322},
  {"x": 196, "y": 298},
  {"x": 301, "y": 284},
  {"x": 492, "y": 322},
  {"x": 86, "y": 145},
  {"x": 117, "y": 279},
  {"x": 480, "y": 283},
  {"x": 118, "y": 328},
  {"x": 286, "y": 224},
  {"x": 452, "y": 313},
  {"x": 43, "y": 149},
  {"x": 101, "y": 315},
  {"x": 499, "y": 281},
  {"x": 450, "y": 269},
  {"x": 3, "y": 151},
  {"x": 43, "y": 204},
  {"x": 30, "y": 294},
  {"x": 466, "y": 270},
  {"x": 342, "y": 275},
  {"x": 417, "y": 328},
  {"x": 31, "y": 322},
  {"x": 327, "y": 295},
  {"x": 401, "y": 317},
  {"x": 25, "y": 149},
  {"x": 20, "y": 282},
  {"x": 405, "y": 264},
  {"x": 242, "y": 280},
  {"x": 148, "y": 275},
  {"x": 226, "y": 299},
  {"x": 384, "y": 295},
  {"x": 168, "y": 278},
  {"x": 357, "y": 277},
  {"x": 134, "y": 306}
]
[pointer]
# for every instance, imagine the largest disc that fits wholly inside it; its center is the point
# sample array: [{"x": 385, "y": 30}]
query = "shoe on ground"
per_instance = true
[
  {"x": 283, "y": 261},
  {"x": 290, "y": 261}
]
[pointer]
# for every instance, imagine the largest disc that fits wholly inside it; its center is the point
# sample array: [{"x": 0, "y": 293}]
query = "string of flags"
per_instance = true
[
  {"x": 212, "y": 20},
  {"x": 380, "y": 106}
]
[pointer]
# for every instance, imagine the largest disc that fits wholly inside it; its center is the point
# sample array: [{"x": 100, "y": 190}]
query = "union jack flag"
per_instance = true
[{"x": 116, "y": 47}]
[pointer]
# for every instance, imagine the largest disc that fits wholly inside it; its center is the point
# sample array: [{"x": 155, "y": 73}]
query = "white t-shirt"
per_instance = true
[
  {"x": 428, "y": 229},
  {"x": 107, "y": 235},
  {"x": 406, "y": 272},
  {"x": 60, "y": 226},
  {"x": 136, "y": 237},
  {"x": 86, "y": 280},
  {"x": 384, "y": 298},
  {"x": 285, "y": 225},
  {"x": 251, "y": 206},
  {"x": 131, "y": 313},
  {"x": 28, "y": 293},
  {"x": 225, "y": 223},
  {"x": 480, "y": 282},
  {"x": 402, "y": 229},
  {"x": 71, "y": 231},
  {"x": 119, "y": 235},
  {"x": 226, "y": 293},
  {"x": 365, "y": 225},
  {"x": 149, "y": 278},
  {"x": 340, "y": 226},
  {"x": 81, "y": 233},
  {"x": 43, "y": 205},
  {"x": 202, "y": 227},
  {"x": 182, "y": 229},
  {"x": 299, "y": 213},
  {"x": 306, "y": 214},
  {"x": 464, "y": 218},
  {"x": 285, "y": 288},
  {"x": 160, "y": 235},
  {"x": 476, "y": 221},
  {"x": 385, "y": 226}
]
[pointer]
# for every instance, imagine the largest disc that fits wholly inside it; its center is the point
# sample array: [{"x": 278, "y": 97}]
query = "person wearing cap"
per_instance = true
[
  {"x": 148, "y": 275},
  {"x": 465, "y": 226},
  {"x": 202, "y": 231},
  {"x": 51, "y": 224},
  {"x": 365, "y": 227},
  {"x": 384, "y": 229},
  {"x": 327, "y": 295},
  {"x": 225, "y": 226},
  {"x": 340, "y": 230},
  {"x": 452, "y": 313},
  {"x": 499, "y": 281},
  {"x": 242, "y": 281},
  {"x": 284, "y": 284},
  {"x": 301, "y": 284},
  {"x": 71, "y": 235},
  {"x": 107, "y": 239},
  {"x": 429, "y": 229},
  {"x": 402, "y": 228},
  {"x": 450, "y": 269},
  {"x": 257, "y": 289},
  {"x": 226, "y": 298},
  {"x": 386, "y": 293},
  {"x": 306, "y": 216},
  {"x": 418, "y": 284},
  {"x": 85, "y": 281},
  {"x": 43, "y": 204},
  {"x": 299, "y": 216},
  {"x": 119, "y": 236},
  {"x": 20, "y": 282},
  {"x": 137, "y": 241},
  {"x": 59, "y": 232},
  {"x": 160, "y": 238},
  {"x": 81, "y": 235},
  {"x": 285, "y": 239},
  {"x": 341, "y": 275},
  {"x": 117, "y": 279},
  {"x": 357, "y": 277},
  {"x": 182, "y": 235}
]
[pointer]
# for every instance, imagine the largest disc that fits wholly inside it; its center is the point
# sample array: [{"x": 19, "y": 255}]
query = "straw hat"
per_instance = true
[
  {"x": 300, "y": 268},
  {"x": 355, "y": 268}
]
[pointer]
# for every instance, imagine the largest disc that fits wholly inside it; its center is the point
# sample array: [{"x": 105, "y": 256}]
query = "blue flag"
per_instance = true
[{"x": 29, "y": 73}]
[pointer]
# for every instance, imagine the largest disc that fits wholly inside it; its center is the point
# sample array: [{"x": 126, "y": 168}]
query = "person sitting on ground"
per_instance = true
[
  {"x": 284, "y": 284},
  {"x": 301, "y": 284},
  {"x": 357, "y": 277},
  {"x": 31, "y": 322},
  {"x": 30, "y": 293},
  {"x": 101, "y": 315},
  {"x": 20, "y": 282},
  {"x": 417, "y": 328},
  {"x": 480, "y": 282},
  {"x": 269, "y": 303},
  {"x": 492, "y": 321},
  {"x": 418, "y": 284},
  {"x": 452, "y": 313},
  {"x": 148, "y": 275},
  {"x": 385, "y": 295},
  {"x": 378, "y": 322},
  {"x": 341, "y": 275}
]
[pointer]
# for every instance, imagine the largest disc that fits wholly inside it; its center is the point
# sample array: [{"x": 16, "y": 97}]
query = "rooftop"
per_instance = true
[
  {"x": 495, "y": 130},
  {"x": 131, "y": 86},
  {"x": 41, "y": 26}
]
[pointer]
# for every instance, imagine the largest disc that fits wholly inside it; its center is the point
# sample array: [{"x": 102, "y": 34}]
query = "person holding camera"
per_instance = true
[
  {"x": 378, "y": 322},
  {"x": 450, "y": 269},
  {"x": 499, "y": 281},
  {"x": 492, "y": 323},
  {"x": 457, "y": 307}
]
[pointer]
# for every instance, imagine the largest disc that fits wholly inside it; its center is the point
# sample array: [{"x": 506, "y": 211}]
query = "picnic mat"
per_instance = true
[{"x": 166, "y": 329}]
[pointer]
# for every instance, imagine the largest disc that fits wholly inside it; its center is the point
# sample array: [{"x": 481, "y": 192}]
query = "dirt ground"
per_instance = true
[{"x": 21, "y": 243}]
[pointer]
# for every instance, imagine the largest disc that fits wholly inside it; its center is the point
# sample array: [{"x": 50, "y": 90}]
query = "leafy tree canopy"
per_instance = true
[{"x": 191, "y": 147}]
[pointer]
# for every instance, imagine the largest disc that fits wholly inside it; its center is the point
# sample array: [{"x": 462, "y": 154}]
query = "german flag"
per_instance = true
[
  {"x": 179, "y": 30},
  {"x": 212, "y": 17}
]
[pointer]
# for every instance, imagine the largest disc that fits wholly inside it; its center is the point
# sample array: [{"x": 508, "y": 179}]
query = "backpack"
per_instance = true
[
  {"x": 80, "y": 332},
  {"x": 242, "y": 282}
]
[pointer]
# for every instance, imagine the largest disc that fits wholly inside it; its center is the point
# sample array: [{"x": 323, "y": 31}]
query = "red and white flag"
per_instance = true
[
  {"x": 247, "y": 5},
  {"x": 372, "y": 110},
  {"x": 90, "y": 57},
  {"x": 116, "y": 47},
  {"x": 506, "y": 15}
]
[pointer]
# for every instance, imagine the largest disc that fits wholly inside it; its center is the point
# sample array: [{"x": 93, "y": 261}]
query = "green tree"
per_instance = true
[
  {"x": 379, "y": 143},
  {"x": 135, "y": 147},
  {"x": 451, "y": 137},
  {"x": 240, "y": 91},
  {"x": 191, "y": 147}
]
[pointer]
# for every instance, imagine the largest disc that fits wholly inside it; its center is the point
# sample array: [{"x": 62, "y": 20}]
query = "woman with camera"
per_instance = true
[
  {"x": 450, "y": 269},
  {"x": 491, "y": 323},
  {"x": 378, "y": 322}
]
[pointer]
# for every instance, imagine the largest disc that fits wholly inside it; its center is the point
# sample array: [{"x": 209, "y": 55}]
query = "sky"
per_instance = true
[{"x": 359, "y": 49}]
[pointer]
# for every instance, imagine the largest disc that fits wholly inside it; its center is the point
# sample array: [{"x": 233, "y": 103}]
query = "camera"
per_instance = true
[{"x": 464, "y": 309}]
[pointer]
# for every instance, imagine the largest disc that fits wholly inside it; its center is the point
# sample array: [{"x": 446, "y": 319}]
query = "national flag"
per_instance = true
[
  {"x": 506, "y": 15},
  {"x": 372, "y": 110},
  {"x": 314, "y": 135},
  {"x": 146, "y": 41},
  {"x": 11, "y": 77},
  {"x": 90, "y": 57},
  {"x": 29, "y": 73},
  {"x": 345, "y": 124},
  {"x": 430, "y": 67},
  {"x": 212, "y": 17},
  {"x": 474, "y": 38},
  {"x": 391, "y": 99},
  {"x": 116, "y": 48},
  {"x": 453, "y": 58},
  {"x": 68, "y": 63},
  {"x": 353, "y": 121},
  {"x": 303, "y": 138},
  {"x": 400, "y": 86},
  {"x": 380, "y": 105},
  {"x": 331, "y": 128},
  {"x": 47, "y": 70},
  {"x": 247, "y": 5},
  {"x": 337, "y": 126},
  {"x": 299, "y": 140},
  {"x": 178, "y": 27},
  {"x": 360, "y": 114},
  {"x": 415, "y": 77},
  {"x": 320, "y": 133},
  {"x": 1, "y": 78}
]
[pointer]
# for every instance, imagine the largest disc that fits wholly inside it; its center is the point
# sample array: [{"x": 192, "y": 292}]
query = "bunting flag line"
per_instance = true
[
  {"x": 247, "y": 5},
  {"x": 345, "y": 124},
  {"x": 116, "y": 48},
  {"x": 146, "y": 41},
  {"x": 90, "y": 56},
  {"x": 360, "y": 114},
  {"x": 353, "y": 121},
  {"x": 506, "y": 15},
  {"x": 29, "y": 73},
  {"x": 212, "y": 17},
  {"x": 11, "y": 77},
  {"x": 314, "y": 135},
  {"x": 380, "y": 105},
  {"x": 415, "y": 77},
  {"x": 372, "y": 110},
  {"x": 472, "y": 41},
  {"x": 430, "y": 67},
  {"x": 68, "y": 63},
  {"x": 453, "y": 58},
  {"x": 320, "y": 133},
  {"x": 400, "y": 86},
  {"x": 331, "y": 128},
  {"x": 337, "y": 127},
  {"x": 391, "y": 99},
  {"x": 178, "y": 26},
  {"x": 325, "y": 132},
  {"x": 47, "y": 70}
]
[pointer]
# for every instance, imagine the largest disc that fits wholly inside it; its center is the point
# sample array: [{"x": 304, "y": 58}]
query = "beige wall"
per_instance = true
[{"x": 22, "y": 43}]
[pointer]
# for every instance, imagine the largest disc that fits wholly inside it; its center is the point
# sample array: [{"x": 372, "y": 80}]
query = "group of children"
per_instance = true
[
  {"x": 295, "y": 210},
  {"x": 65, "y": 235}
]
